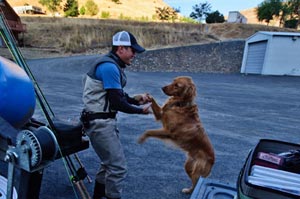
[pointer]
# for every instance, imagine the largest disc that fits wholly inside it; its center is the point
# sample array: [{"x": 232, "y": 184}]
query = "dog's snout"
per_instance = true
[{"x": 166, "y": 90}]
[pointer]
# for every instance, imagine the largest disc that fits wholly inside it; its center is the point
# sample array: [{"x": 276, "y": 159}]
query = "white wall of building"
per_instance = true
[
  {"x": 236, "y": 17},
  {"x": 272, "y": 53}
]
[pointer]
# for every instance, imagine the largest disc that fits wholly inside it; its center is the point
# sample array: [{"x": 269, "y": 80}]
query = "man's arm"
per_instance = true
[
  {"x": 118, "y": 101},
  {"x": 131, "y": 100}
]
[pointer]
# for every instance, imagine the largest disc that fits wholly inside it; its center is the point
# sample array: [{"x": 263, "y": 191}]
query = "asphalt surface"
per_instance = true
[{"x": 236, "y": 110}]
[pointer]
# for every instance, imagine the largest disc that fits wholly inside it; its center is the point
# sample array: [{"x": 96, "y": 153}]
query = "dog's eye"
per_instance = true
[{"x": 177, "y": 85}]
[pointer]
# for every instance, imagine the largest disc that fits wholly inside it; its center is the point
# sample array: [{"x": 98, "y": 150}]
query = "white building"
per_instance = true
[
  {"x": 272, "y": 53},
  {"x": 28, "y": 10},
  {"x": 236, "y": 17}
]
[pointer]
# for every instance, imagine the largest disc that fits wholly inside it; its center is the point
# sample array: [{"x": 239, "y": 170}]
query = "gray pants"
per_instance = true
[{"x": 104, "y": 137}]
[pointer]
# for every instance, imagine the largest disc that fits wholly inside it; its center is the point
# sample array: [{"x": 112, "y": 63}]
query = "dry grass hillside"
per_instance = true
[
  {"x": 60, "y": 36},
  {"x": 250, "y": 14},
  {"x": 65, "y": 36},
  {"x": 130, "y": 9}
]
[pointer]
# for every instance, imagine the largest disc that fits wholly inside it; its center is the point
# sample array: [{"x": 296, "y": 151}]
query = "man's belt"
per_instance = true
[{"x": 88, "y": 116}]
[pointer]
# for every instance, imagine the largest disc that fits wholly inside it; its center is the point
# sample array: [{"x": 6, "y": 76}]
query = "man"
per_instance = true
[{"x": 103, "y": 97}]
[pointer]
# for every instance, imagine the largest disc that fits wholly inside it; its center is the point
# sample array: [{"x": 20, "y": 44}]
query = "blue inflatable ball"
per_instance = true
[{"x": 17, "y": 96}]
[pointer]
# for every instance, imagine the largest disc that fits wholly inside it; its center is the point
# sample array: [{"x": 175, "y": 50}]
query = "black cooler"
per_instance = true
[{"x": 271, "y": 171}]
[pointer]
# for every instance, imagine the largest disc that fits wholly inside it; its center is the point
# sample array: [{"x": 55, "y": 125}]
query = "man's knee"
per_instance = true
[{"x": 120, "y": 171}]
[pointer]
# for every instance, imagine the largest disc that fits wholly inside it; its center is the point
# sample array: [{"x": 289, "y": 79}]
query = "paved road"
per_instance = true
[{"x": 236, "y": 111}]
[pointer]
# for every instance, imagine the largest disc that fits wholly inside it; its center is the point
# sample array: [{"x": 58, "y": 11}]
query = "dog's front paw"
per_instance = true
[
  {"x": 142, "y": 139},
  {"x": 152, "y": 99}
]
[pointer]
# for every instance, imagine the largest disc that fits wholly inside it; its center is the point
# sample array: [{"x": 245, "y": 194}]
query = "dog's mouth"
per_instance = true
[{"x": 167, "y": 91}]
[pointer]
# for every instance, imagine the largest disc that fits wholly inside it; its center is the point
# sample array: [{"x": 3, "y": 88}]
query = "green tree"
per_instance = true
[
  {"x": 269, "y": 9},
  {"x": 91, "y": 8},
  {"x": 290, "y": 23},
  {"x": 215, "y": 17},
  {"x": 52, "y": 5},
  {"x": 166, "y": 14},
  {"x": 294, "y": 8},
  {"x": 71, "y": 8},
  {"x": 285, "y": 12},
  {"x": 200, "y": 11}
]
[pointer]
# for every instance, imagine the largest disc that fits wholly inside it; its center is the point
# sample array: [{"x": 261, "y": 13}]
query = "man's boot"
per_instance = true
[{"x": 99, "y": 190}]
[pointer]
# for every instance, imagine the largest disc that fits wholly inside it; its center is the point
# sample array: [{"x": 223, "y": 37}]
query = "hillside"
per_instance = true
[
  {"x": 59, "y": 36},
  {"x": 48, "y": 36},
  {"x": 130, "y": 9},
  {"x": 250, "y": 14}
]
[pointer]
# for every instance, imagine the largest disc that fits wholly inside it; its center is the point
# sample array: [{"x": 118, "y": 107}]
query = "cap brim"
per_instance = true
[{"x": 138, "y": 48}]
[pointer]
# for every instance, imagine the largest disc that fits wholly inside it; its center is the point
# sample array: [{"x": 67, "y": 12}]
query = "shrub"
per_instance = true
[
  {"x": 105, "y": 15},
  {"x": 116, "y": 1},
  {"x": 82, "y": 10},
  {"x": 187, "y": 20},
  {"x": 292, "y": 23},
  {"x": 91, "y": 8}
]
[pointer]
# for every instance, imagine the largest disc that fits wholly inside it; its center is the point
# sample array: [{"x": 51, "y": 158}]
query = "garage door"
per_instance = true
[{"x": 256, "y": 57}]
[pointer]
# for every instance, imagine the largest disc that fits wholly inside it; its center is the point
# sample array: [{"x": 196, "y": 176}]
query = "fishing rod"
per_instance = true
[{"x": 76, "y": 177}]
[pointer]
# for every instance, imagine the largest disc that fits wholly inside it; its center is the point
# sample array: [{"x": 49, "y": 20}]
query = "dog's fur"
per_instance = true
[{"x": 182, "y": 126}]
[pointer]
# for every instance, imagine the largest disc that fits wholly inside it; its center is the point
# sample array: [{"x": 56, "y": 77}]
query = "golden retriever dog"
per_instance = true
[{"x": 182, "y": 126}]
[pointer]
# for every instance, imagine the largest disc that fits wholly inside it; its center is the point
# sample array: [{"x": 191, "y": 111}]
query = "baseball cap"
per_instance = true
[{"x": 124, "y": 38}]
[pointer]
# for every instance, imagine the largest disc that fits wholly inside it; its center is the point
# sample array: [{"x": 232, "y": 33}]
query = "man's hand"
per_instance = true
[
  {"x": 143, "y": 98},
  {"x": 147, "y": 109}
]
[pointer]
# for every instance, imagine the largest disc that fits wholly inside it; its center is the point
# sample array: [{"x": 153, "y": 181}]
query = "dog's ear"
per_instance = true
[{"x": 190, "y": 92}]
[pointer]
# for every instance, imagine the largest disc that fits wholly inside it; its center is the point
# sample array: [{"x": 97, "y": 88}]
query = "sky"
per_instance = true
[{"x": 223, "y": 6}]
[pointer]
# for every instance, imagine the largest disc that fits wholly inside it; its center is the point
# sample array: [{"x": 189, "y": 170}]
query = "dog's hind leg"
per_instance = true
[
  {"x": 196, "y": 167},
  {"x": 189, "y": 168}
]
